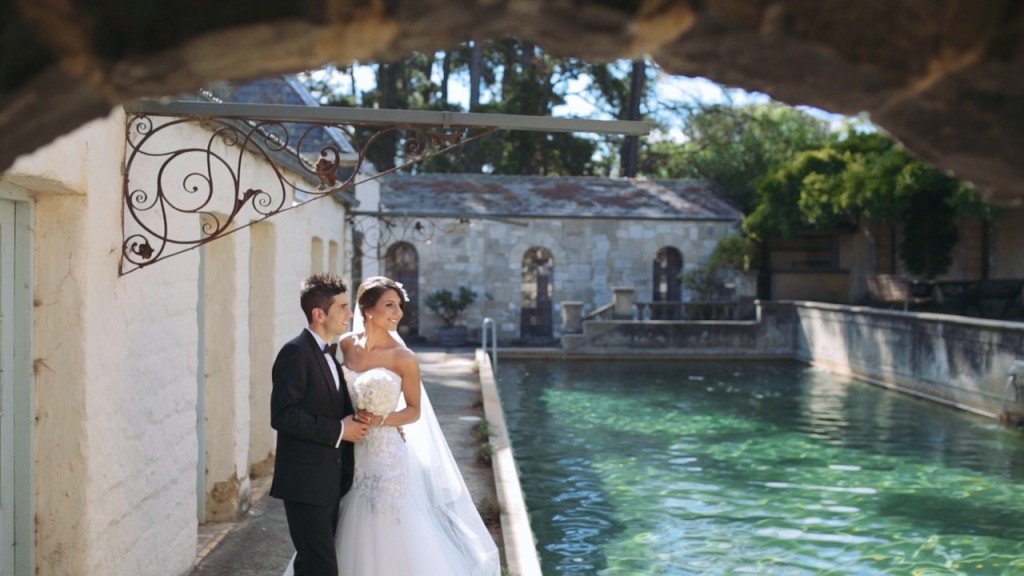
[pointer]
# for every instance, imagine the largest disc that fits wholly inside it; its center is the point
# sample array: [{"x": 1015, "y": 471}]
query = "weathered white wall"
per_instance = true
[
  {"x": 368, "y": 196},
  {"x": 261, "y": 316},
  {"x": 226, "y": 389},
  {"x": 117, "y": 359},
  {"x": 115, "y": 382}
]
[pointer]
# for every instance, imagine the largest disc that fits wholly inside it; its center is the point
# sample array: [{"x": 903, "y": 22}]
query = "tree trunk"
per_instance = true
[
  {"x": 387, "y": 83},
  {"x": 446, "y": 72},
  {"x": 631, "y": 145},
  {"x": 476, "y": 74}
]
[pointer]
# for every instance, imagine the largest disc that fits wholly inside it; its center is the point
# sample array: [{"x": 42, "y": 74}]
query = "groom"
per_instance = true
[{"x": 311, "y": 410}]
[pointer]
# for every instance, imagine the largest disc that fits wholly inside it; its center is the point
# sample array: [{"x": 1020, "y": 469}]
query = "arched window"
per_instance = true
[
  {"x": 537, "y": 284},
  {"x": 402, "y": 264},
  {"x": 668, "y": 265}
]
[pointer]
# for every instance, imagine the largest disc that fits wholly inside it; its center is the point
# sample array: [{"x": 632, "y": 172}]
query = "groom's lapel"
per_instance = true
[
  {"x": 332, "y": 389},
  {"x": 345, "y": 399},
  {"x": 325, "y": 370}
]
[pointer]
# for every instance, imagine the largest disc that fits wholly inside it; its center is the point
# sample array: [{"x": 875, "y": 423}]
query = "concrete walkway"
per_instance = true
[{"x": 258, "y": 544}]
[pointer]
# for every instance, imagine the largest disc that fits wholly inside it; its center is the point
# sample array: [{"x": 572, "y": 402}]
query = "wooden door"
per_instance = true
[
  {"x": 401, "y": 264},
  {"x": 537, "y": 286},
  {"x": 667, "y": 284}
]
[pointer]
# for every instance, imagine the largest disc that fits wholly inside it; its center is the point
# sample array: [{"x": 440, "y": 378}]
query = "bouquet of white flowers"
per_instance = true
[{"x": 376, "y": 392}]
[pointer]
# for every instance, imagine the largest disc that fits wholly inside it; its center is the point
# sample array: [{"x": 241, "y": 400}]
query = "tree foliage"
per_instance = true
[
  {"x": 507, "y": 76},
  {"x": 782, "y": 166},
  {"x": 863, "y": 175},
  {"x": 734, "y": 252},
  {"x": 732, "y": 147}
]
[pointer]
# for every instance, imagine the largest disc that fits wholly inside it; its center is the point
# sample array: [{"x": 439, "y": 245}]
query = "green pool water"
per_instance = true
[{"x": 661, "y": 467}]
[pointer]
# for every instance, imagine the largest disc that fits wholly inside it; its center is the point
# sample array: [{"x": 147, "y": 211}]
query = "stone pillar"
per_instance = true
[
  {"x": 623, "y": 301},
  {"x": 572, "y": 317}
]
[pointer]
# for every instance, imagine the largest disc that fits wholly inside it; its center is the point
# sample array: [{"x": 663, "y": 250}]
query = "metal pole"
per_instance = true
[{"x": 336, "y": 115}]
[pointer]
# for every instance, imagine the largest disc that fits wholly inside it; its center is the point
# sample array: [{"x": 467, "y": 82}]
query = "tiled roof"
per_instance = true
[
  {"x": 468, "y": 195},
  {"x": 284, "y": 90}
]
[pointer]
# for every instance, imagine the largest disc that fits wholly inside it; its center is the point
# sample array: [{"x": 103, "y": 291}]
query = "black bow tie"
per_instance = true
[{"x": 331, "y": 349}]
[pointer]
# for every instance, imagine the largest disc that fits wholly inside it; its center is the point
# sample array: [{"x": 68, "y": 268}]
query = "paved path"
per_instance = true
[{"x": 258, "y": 545}]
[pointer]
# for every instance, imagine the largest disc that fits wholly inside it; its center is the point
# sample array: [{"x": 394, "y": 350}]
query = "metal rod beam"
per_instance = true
[{"x": 337, "y": 115}]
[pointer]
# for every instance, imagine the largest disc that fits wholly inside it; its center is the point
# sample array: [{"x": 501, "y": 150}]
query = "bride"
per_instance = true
[{"x": 408, "y": 512}]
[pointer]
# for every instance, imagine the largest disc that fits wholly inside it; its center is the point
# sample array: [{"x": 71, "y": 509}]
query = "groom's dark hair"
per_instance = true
[{"x": 317, "y": 292}]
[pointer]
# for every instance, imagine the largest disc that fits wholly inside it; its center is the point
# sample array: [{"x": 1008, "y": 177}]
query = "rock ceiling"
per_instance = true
[{"x": 946, "y": 77}]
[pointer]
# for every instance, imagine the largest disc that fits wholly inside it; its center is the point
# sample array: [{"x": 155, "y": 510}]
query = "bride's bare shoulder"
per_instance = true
[{"x": 405, "y": 359}]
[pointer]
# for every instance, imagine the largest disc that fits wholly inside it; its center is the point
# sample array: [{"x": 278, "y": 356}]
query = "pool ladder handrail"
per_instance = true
[{"x": 494, "y": 341}]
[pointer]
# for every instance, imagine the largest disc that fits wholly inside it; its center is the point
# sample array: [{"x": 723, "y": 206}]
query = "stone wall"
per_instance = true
[
  {"x": 770, "y": 335},
  {"x": 956, "y": 360},
  {"x": 590, "y": 255},
  {"x": 953, "y": 359}
]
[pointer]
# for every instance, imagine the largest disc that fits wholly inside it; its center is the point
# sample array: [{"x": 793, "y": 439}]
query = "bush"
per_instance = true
[
  {"x": 448, "y": 306},
  {"x": 702, "y": 282},
  {"x": 735, "y": 252}
]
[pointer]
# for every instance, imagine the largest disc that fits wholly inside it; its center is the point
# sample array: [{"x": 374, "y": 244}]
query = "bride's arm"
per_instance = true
[{"x": 409, "y": 370}]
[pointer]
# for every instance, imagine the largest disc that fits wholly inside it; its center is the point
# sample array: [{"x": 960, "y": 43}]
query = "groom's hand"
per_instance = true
[{"x": 355, "y": 431}]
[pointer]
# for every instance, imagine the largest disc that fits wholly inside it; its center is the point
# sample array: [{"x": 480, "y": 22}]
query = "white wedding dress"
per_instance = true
[{"x": 409, "y": 512}]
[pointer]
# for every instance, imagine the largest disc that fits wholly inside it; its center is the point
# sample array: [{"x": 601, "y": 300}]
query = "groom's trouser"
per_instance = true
[{"x": 312, "y": 530}]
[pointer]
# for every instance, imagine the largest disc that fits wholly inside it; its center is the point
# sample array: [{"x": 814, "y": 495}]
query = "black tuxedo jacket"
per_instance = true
[{"x": 306, "y": 409}]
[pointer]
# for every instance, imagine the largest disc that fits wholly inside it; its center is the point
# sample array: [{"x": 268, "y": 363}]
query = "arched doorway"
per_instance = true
[
  {"x": 668, "y": 266},
  {"x": 537, "y": 283},
  {"x": 402, "y": 264}
]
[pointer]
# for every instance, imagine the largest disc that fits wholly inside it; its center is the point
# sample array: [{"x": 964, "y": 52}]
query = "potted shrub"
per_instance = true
[{"x": 448, "y": 306}]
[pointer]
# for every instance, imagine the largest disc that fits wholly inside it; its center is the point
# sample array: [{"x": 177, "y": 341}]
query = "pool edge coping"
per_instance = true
[{"x": 520, "y": 545}]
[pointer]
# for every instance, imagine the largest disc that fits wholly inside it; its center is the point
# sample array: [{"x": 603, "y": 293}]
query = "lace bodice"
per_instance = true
[{"x": 381, "y": 460}]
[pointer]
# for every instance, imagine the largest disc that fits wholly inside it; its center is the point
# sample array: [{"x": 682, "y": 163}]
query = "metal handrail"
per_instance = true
[{"x": 494, "y": 341}]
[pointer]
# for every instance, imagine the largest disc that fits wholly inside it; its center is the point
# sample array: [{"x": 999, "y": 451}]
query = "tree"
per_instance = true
[
  {"x": 864, "y": 175},
  {"x": 929, "y": 226},
  {"x": 505, "y": 76},
  {"x": 732, "y": 147}
]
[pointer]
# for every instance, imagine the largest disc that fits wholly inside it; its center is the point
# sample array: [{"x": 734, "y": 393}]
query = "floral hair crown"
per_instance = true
[{"x": 405, "y": 295}]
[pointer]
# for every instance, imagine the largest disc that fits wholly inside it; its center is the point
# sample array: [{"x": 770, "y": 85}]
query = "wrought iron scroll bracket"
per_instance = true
[{"x": 190, "y": 180}]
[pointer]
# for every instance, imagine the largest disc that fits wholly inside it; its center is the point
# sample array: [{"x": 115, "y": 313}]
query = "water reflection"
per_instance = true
[{"x": 767, "y": 467}]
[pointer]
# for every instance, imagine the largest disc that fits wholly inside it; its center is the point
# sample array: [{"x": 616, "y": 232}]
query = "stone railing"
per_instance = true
[{"x": 701, "y": 310}]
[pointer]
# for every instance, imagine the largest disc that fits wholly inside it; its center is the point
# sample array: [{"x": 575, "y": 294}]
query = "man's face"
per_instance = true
[{"x": 338, "y": 315}]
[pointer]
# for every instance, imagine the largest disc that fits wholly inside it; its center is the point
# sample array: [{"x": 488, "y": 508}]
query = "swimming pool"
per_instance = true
[{"x": 662, "y": 467}]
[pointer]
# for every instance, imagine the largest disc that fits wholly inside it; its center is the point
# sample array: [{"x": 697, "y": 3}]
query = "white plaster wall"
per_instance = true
[
  {"x": 115, "y": 442},
  {"x": 116, "y": 382},
  {"x": 262, "y": 310},
  {"x": 368, "y": 196},
  {"x": 226, "y": 389}
]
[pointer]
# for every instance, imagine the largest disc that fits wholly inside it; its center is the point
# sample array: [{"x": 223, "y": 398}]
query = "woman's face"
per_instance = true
[{"x": 387, "y": 312}]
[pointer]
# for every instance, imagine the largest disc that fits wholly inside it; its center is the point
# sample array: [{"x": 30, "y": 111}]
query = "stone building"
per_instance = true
[{"x": 525, "y": 244}]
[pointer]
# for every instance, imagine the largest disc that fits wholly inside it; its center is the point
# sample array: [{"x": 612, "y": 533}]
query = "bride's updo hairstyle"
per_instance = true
[{"x": 373, "y": 288}]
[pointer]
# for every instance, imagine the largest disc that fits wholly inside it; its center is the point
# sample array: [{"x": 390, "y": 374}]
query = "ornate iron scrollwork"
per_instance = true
[
  {"x": 379, "y": 230},
  {"x": 179, "y": 197}
]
